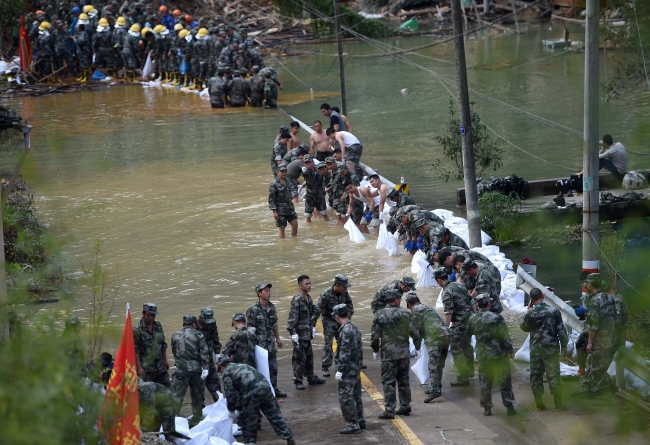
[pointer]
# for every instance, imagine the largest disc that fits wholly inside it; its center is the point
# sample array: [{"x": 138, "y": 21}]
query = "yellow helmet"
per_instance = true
[
  {"x": 83, "y": 16},
  {"x": 203, "y": 32},
  {"x": 184, "y": 33},
  {"x": 103, "y": 22},
  {"x": 44, "y": 25},
  {"x": 88, "y": 8},
  {"x": 135, "y": 28},
  {"x": 145, "y": 30},
  {"x": 158, "y": 29},
  {"x": 178, "y": 27},
  {"x": 121, "y": 21}
]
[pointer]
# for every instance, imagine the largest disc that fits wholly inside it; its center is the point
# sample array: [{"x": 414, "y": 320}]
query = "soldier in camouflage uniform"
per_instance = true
[
  {"x": 348, "y": 370},
  {"x": 200, "y": 59},
  {"x": 301, "y": 326},
  {"x": 150, "y": 347},
  {"x": 45, "y": 48},
  {"x": 238, "y": 90},
  {"x": 103, "y": 47},
  {"x": 83, "y": 42},
  {"x": 256, "y": 82},
  {"x": 119, "y": 39},
  {"x": 391, "y": 329},
  {"x": 217, "y": 87},
  {"x": 486, "y": 282},
  {"x": 207, "y": 326},
  {"x": 413, "y": 215},
  {"x": 547, "y": 334},
  {"x": 279, "y": 151},
  {"x": 436, "y": 336},
  {"x": 281, "y": 192},
  {"x": 601, "y": 324},
  {"x": 406, "y": 284},
  {"x": 315, "y": 194},
  {"x": 493, "y": 348},
  {"x": 228, "y": 56},
  {"x": 430, "y": 232},
  {"x": 270, "y": 92},
  {"x": 263, "y": 317},
  {"x": 400, "y": 220},
  {"x": 296, "y": 153},
  {"x": 248, "y": 392},
  {"x": 62, "y": 49},
  {"x": 452, "y": 258},
  {"x": 458, "y": 309},
  {"x": 130, "y": 52},
  {"x": 192, "y": 361},
  {"x": 157, "y": 407},
  {"x": 400, "y": 198},
  {"x": 342, "y": 178},
  {"x": 232, "y": 36},
  {"x": 246, "y": 42},
  {"x": 241, "y": 346},
  {"x": 337, "y": 294}
]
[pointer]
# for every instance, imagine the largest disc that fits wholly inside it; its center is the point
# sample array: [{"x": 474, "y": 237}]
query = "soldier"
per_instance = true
[
  {"x": 458, "y": 309},
  {"x": 493, "y": 348},
  {"x": 162, "y": 45},
  {"x": 130, "y": 52},
  {"x": 279, "y": 151},
  {"x": 337, "y": 294},
  {"x": 248, "y": 392},
  {"x": 252, "y": 57},
  {"x": 200, "y": 59},
  {"x": 217, "y": 88},
  {"x": 301, "y": 326},
  {"x": 83, "y": 42},
  {"x": 62, "y": 49},
  {"x": 274, "y": 75},
  {"x": 330, "y": 163},
  {"x": 486, "y": 282},
  {"x": 150, "y": 347},
  {"x": 157, "y": 408},
  {"x": 103, "y": 47},
  {"x": 391, "y": 329},
  {"x": 281, "y": 192},
  {"x": 48, "y": 10},
  {"x": 415, "y": 215},
  {"x": 173, "y": 60},
  {"x": 601, "y": 341},
  {"x": 192, "y": 361},
  {"x": 246, "y": 41},
  {"x": 45, "y": 50},
  {"x": 400, "y": 198},
  {"x": 238, "y": 90},
  {"x": 119, "y": 40},
  {"x": 315, "y": 194},
  {"x": 436, "y": 336},
  {"x": 228, "y": 56},
  {"x": 218, "y": 45},
  {"x": 405, "y": 227},
  {"x": 270, "y": 92},
  {"x": 452, "y": 257},
  {"x": 74, "y": 346},
  {"x": 341, "y": 180},
  {"x": 295, "y": 153},
  {"x": 547, "y": 334},
  {"x": 241, "y": 346},
  {"x": 263, "y": 317},
  {"x": 406, "y": 284},
  {"x": 256, "y": 83},
  {"x": 232, "y": 36},
  {"x": 207, "y": 326},
  {"x": 348, "y": 370}
]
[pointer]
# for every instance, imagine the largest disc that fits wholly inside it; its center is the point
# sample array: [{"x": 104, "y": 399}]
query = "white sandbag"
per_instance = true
[
  {"x": 416, "y": 262},
  {"x": 148, "y": 68},
  {"x": 421, "y": 367},
  {"x": 201, "y": 438},
  {"x": 566, "y": 370},
  {"x": 182, "y": 425},
  {"x": 443, "y": 214},
  {"x": 262, "y": 364},
  {"x": 473, "y": 343},
  {"x": 218, "y": 441},
  {"x": 392, "y": 246},
  {"x": 236, "y": 430},
  {"x": 355, "y": 234},
  {"x": 439, "y": 304},
  {"x": 411, "y": 347},
  {"x": 523, "y": 354},
  {"x": 425, "y": 276},
  {"x": 381, "y": 238}
]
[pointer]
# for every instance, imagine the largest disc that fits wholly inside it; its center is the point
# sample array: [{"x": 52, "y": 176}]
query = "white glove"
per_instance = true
[
  {"x": 233, "y": 414},
  {"x": 338, "y": 376},
  {"x": 381, "y": 216},
  {"x": 217, "y": 356},
  {"x": 313, "y": 331},
  {"x": 294, "y": 338},
  {"x": 375, "y": 355},
  {"x": 304, "y": 169},
  {"x": 417, "y": 354},
  {"x": 204, "y": 374}
]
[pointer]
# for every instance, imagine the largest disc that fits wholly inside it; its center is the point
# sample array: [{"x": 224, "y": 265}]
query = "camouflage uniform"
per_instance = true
[
  {"x": 103, "y": 46},
  {"x": 270, "y": 94},
  {"x": 256, "y": 83},
  {"x": 279, "y": 150},
  {"x": 431, "y": 239},
  {"x": 208, "y": 327},
  {"x": 379, "y": 301},
  {"x": 264, "y": 320},
  {"x": 458, "y": 303},
  {"x": 436, "y": 336},
  {"x": 215, "y": 53},
  {"x": 348, "y": 359},
  {"x": 404, "y": 200},
  {"x": 217, "y": 89},
  {"x": 241, "y": 346},
  {"x": 235, "y": 38},
  {"x": 45, "y": 50},
  {"x": 63, "y": 51},
  {"x": 149, "y": 346},
  {"x": 249, "y": 392},
  {"x": 470, "y": 282},
  {"x": 200, "y": 62},
  {"x": 162, "y": 47},
  {"x": 119, "y": 40},
  {"x": 414, "y": 215},
  {"x": 547, "y": 333},
  {"x": 83, "y": 42},
  {"x": 157, "y": 407},
  {"x": 226, "y": 59},
  {"x": 292, "y": 155},
  {"x": 302, "y": 318},
  {"x": 391, "y": 329},
  {"x": 486, "y": 283},
  {"x": 315, "y": 194},
  {"x": 396, "y": 220},
  {"x": 280, "y": 200},
  {"x": 238, "y": 91},
  {"x": 493, "y": 345},
  {"x": 326, "y": 303},
  {"x": 130, "y": 50},
  {"x": 192, "y": 357}
]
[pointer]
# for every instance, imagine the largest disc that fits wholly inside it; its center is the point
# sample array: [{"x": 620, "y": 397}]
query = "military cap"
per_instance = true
[
  {"x": 593, "y": 278},
  {"x": 392, "y": 294},
  {"x": 410, "y": 282},
  {"x": 321, "y": 164},
  {"x": 150, "y": 307},
  {"x": 440, "y": 273},
  {"x": 341, "y": 310},
  {"x": 236, "y": 73},
  {"x": 341, "y": 166},
  {"x": 342, "y": 280},
  {"x": 284, "y": 129},
  {"x": 482, "y": 299},
  {"x": 329, "y": 159},
  {"x": 223, "y": 34},
  {"x": 392, "y": 192},
  {"x": 443, "y": 254},
  {"x": 412, "y": 298},
  {"x": 283, "y": 166},
  {"x": 285, "y": 135},
  {"x": 239, "y": 316},
  {"x": 261, "y": 286},
  {"x": 438, "y": 230},
  {"x": 420, "y": 222},
  {"x": 73, "y": 321},
  {"x": 188, "y": 320},
  {"x": 255, "y": 68},
  {"x": 243, "y": 31},
  {"x": 207, "y": 312},
  {"x": 468, "y": 264},
  {"x": 223, "y": 361},
  {"x": 308, "y": 158}
]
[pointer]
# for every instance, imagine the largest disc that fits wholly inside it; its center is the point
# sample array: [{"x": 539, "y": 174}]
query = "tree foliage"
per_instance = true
[
  {"x": 10, "y": 11},
  {"x": 487, "y": 152},
  {"x": 500, "y": 217}
]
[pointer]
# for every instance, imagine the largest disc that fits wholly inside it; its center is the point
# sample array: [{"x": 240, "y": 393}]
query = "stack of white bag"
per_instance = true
[{"x": 215, "y": 429}]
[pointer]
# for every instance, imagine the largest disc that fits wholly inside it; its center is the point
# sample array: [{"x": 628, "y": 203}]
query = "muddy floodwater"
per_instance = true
[{"x": 178, "y": 192}]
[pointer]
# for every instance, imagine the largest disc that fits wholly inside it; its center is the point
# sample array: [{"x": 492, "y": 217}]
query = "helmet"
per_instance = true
[
  {"x": 158, "y": 29},
  {"x": 163, "y": 9},
  {"x": 184, "y": 33},
  {"x": 87, "y": 9},
  {"x": 633, "y": 180},
  {"x": 145, "y": 30},
  {"x": 135, "y": 27},
  {"x": 121, "y": 21},
  {"x": 203, "y": 32},
  {"x": 83, "y": 16},
  {"x": 178, "y": 27},
  {"x": 76, "y": 10},
  {"x": 188, "y": 18},
  {"x": 39, "y": 12},
  {"x": 177, "y": 12},
  {"x": 103, "y": 22},
  {"x": 44, "y": 25}
]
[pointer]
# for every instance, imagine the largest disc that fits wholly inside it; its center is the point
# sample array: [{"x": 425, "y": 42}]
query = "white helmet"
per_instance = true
[{"x": 634, "y": 180}]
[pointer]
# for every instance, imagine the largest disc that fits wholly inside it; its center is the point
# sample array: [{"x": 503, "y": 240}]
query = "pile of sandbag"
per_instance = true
[{"x": 215, "y": 429}]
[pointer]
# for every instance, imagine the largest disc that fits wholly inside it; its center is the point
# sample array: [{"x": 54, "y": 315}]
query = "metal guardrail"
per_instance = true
[{"x": 625, "y": 358}]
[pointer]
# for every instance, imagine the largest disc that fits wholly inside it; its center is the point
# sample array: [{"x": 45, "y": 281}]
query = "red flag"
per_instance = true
[
  {"x": 24, "y": 47},
  {"x": 120, "y": 418}
]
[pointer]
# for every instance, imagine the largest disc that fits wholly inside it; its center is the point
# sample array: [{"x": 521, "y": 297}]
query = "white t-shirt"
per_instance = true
[
  {"x": 617, "y": 154},
  {"x": 348, "y": 138}
]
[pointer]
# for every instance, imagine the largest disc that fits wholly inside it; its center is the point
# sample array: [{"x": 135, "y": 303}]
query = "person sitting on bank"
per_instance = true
[{"x": 613, "y": 157}]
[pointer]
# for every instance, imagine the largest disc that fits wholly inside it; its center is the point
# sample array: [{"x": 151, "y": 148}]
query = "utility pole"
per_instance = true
[
  {"x": 591, "y": 184},
  {"x": 469, "y": 169},
  {"x": 337, "y": 21}
]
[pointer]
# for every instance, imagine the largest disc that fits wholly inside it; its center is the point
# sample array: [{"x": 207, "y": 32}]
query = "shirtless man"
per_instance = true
[
  {"x": 370, "y": 197},
  {"x": 319, "y": 142},
  {"x": 383, "y": 191},
  {"x": 346, "y": 121},
  {"x": 295, "y": 140}
]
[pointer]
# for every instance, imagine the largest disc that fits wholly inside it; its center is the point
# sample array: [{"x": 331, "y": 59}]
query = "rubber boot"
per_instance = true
[
  {"x": 195, "y": 83},
  {"x": 186, "y": 81},
  {"x": 176, "y": 78},
  {"x": 539, "y": 403},
  {"x": 84, "y": 76},
  {"x": 559, "y": 406},
  {"x": 81, "y": 76}
]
